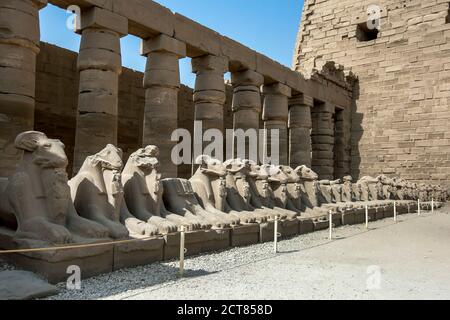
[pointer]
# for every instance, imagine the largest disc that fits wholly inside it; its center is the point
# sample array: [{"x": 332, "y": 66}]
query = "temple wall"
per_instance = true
[{"x": 400, "y": 118}]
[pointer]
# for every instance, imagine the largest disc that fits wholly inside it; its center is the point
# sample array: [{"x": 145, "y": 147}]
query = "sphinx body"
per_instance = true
[
  {"x": 209, "y": 186},
  {"x": 97, "y": 190},
  {"x": 37, "y": 196},
  {"x": 241, "y": 195},
  {"x": 144, "y": 193}
]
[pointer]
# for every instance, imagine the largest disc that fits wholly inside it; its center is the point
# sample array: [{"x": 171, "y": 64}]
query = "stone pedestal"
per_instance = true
[
  {"x": 245, "y": 235},
  {"x": 162, "y": 83},
  {"x": 275, "y": 116},
  {"x": 19, "y": 46},
  {"x": 139, "y": 253},
  {"x": 209, "y": 95},
  {"x": 300, "y": 125},
  {"x": 247, "y": 107},
  {"x": 53, "y": 264},
  {"x": 99, "y": 65},
  {"x": 323, "y": 140}
]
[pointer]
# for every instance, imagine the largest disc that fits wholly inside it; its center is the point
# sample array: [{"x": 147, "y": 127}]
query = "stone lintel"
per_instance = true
[
  {"x": 247, "y": 78},
  {"x": 277, "y": 89},
  {"x": 163, "y": 43},
  {"x": 301, "y": 100},
  {"x": 104, "y": 19},
  {"x": 211, "y": 63}
]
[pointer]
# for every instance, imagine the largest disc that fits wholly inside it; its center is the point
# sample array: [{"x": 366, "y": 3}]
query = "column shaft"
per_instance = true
[
  {"x": 209, "y": 93},
  {"x": 300, "y": 125},
  {"x": 162, "y": 83},
  {"x": 99, "y": 65},
  {"x": 19, "y": 46},
  {"x": 247, "y": 107},
  {"x": 323, "y": 140},
  {"x": 275, "y": 117}
]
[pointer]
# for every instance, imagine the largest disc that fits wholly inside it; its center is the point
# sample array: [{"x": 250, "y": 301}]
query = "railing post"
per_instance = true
[{"x": 182, "y": 249}]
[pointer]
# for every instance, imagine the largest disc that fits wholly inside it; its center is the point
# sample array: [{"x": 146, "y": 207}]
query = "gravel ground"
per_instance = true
[
  {"x": 5, "y": 266},
  {"x": 411, "y": 256}
]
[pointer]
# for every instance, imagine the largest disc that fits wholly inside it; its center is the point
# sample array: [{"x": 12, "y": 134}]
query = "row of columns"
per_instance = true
[{"x": 305, "y": 132}]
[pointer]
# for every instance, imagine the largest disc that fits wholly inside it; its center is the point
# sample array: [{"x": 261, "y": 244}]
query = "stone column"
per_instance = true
[
  {"x": 275, "y": 116},
  {"x": 247, "y": 107},
  {"x": 19, "y": 46},
  {"x": 162, "y": 83},
  {"x": 209, "y": 93},
  {"x": 323, "y": 140},
  {"x": 99, "y": 65},
  {"x": 300, "y": 125}
]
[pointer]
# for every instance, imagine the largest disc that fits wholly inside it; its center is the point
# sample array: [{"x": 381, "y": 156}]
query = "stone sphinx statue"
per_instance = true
[
  {"x": 144, "y": 193},
  {"x": 279, "y": 181},
  {"x": 97, "y": 190},
  {"x": 239, "y": 192},
  {"x": 369, "y": 190},
  {"x": 38, "y": 197},
  {"x": 386, "y": 187},
  {"x": 294, "y": 189},
  {"x": 346, "y": 194},
  {"x": 180, "y": 197},
  {"x": 209, "y": 185},
  {"x": 261, "y": 179}
]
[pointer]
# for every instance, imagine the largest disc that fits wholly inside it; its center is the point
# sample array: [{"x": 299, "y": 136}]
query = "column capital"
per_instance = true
[
  {"x": 277, "y": 89},
  {"x": 40, "y": 3},
  {"x": 163, "y": 43},
  {"x": 211, "y": 63},
  {"x": 326, "y": 107},
  {"x": 98, "y": 18},
  {"x": 301, "y": 100},
  {"x": 247, "y": 78}
]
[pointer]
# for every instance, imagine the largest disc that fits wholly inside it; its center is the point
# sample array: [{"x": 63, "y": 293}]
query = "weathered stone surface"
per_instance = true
[
  {"x": 104, "y": 19},
  {"x": 399, "y": 118},
  {"x": 24, "y": 285}
]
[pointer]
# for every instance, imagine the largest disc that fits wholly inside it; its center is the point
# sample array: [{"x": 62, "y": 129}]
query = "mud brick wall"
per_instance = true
[
  {"x": 401, "y": 113},
  {"x": 57, "y": 98}
]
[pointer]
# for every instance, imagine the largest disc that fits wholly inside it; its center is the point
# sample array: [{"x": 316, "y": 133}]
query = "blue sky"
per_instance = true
[{"x": 267, "y": 26}]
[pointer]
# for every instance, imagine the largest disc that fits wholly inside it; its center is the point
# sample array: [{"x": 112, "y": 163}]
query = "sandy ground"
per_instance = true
[{"x": 412, "y": 259}]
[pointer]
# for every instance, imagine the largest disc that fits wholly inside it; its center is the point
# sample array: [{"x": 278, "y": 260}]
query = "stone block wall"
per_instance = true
[
  {"x": 401, "y": 112},
  {"x": 57, "y": 95}
]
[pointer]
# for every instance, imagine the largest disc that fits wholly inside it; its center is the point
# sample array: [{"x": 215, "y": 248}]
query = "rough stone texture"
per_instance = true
[
  {"x": 400, "y": 116},
  {"x": 57, "y": 98},
  {"x": 162, "y": 83},
  {"x": 24, "y": 285},
  {"x": 19, "y": 45},
  {"x": 246, "y": 108},
  {"x": 300, "y": 125},
  {"x": 275, "y": 116}
]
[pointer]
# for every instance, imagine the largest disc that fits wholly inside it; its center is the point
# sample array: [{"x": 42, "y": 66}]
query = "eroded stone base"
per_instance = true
[{"x": 245, "y": 235}]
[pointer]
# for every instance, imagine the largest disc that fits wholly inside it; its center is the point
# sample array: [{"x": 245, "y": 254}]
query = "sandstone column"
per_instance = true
[
  {"x": 162, "y": 82},
  {"x": 323, "y": 140},
  {"x": 247, "y": 107},
  {"x": 19, "y": 46},
  {"x": 99, "y": 65},
  {"x": 275, "y": 117},
  {"x": 300, "y": 125},
  {"x": 209, "y": 93}
]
